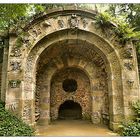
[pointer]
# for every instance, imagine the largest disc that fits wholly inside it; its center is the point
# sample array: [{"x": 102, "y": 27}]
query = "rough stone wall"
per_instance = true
[
  {"x": 82, "y": 95},
  {"x": 72, "y": 56},
  {"x": 92, "y": 92}
]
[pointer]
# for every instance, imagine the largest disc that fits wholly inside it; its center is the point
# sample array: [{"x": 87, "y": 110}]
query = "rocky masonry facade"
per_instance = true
[
  {"x": 80, "y": 95},
  {"x": 72, "y": 66},
  {"x": 67, "y": 44}
]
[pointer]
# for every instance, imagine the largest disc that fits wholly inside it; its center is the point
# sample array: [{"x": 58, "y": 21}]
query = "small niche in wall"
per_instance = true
[{"x": 69, "y": 85}]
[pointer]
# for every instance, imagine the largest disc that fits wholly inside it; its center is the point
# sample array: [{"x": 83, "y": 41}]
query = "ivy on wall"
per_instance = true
[
  {"x": 132, "y": 128},
  {"x": 10, "y": 125}
]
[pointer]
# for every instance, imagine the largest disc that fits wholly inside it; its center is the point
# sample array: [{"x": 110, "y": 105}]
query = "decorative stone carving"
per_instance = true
[
  {"x": 14, "y": 83},
  {"x": 73, "y": 21},
  {"x": 96, "y": 117},
  {"x": 61, "y": 23},
  {"x": 27, "y": 111},
  {"x": 15, "y": 65},
  {"x": 105, "y": 117},
  {"x": 37, "y": 109},
  {"x": 25, "y": 40},
  {"x": 130, "y": 83},
  {"x": 46, "y": 24},
  {"x": 13, "y": 107},
  {"x": 29, "y": 64},
  {"x": 128, "y": 53},
  {"x": 15, "y": 52},
  {"x": 102, "y": 85},
  {"x": 99, "y": 86},
  {"x": 36, "y": 31},
  {"x": 85, "y": 22},
  {"x": 39, "y": 31},
  {"x": 129, "y": 65}
]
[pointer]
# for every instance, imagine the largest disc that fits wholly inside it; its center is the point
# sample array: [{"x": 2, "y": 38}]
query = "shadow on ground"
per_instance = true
[{"x": 73, "y": 128}]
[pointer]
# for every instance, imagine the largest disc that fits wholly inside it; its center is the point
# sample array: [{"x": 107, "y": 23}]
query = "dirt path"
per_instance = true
[{"x": 73, "y": 128}]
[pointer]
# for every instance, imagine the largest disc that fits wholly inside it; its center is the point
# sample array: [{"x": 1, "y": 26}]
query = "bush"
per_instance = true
[
  {"x": 11, "y": 125},
  {"x": 136, "y": 107},
  {"x": 132, "y": 128},
  {"x": 120, "y": 27},
  {"x": 103, "y": 20}
]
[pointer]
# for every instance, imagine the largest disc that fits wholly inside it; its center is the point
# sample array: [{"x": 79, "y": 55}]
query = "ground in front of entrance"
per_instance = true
[{"x": 73, "y": 128}]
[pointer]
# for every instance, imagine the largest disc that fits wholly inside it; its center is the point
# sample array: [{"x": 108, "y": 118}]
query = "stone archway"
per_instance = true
[
  {"x": 102, "y": 58},
  {"x": 96, "y": 115},
  {"x": 70, "y": 110},
  {"x": 86, "y": 64},
  {"x": 44, "y": 115}
]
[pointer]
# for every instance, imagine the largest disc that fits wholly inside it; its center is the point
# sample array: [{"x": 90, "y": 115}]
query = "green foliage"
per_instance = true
[
  {"x": 10, "y": 13},
  {"x": 49, "y": 6},
  {"x": 19, "y": 42},
  {"x": 136, "y": 107},
  {"x": 132, "y": 128},
  {"x": 87, "y": 6},
  {"x": 2, "y": 104},
  {"x": 17, "y": 81},
  {"x": 129, "y": 13},
  {"x": 124, "y": 32},
  {"x": 103, "y": 20},
  {"x": 11, "y": 125},
  {"x": 120, "y": 27},
  {"x": 13, "y": 15}
]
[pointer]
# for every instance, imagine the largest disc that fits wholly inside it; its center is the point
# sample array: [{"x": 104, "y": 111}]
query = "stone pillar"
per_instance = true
[
  {"x": 13, "y": 81},
  {"x": 4, "y": 70},
  {"x": 130, "y": 80},
  {"x": 115, "y": 86},
  {"x": 28, "y": 99}
]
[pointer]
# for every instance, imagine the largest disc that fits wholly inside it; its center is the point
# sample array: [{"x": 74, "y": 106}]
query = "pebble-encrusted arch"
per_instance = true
[
  {"x": 80, "y": 69},
  {"x": 109, "y": 54},
  {"x": 67, "y": 26}
]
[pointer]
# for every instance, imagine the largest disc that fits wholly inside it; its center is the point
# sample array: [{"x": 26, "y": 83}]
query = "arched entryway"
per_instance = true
[
  {"x": 70, "y": 94},
  {"x": 64, "y": 39},
  {"x": 70, "y": 110}
]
